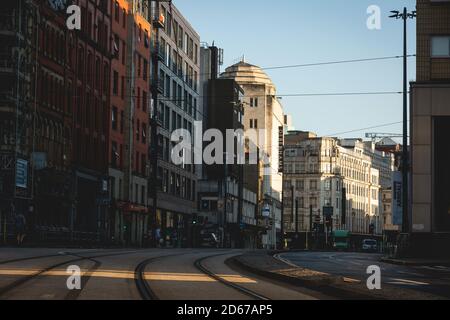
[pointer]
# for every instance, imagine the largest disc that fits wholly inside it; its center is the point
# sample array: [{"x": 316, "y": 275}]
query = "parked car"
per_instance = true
[
  {"x": 209, "y": 240},
  {"x": 370, "y": 245}
]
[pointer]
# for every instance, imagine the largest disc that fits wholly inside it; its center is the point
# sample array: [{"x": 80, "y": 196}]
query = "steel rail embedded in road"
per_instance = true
[
  {"x": 199, "y": 265},
  {"x": 53, "y": 255},
  {"x": 23, "y": 280},
  {"x": 142, "y": 284}
]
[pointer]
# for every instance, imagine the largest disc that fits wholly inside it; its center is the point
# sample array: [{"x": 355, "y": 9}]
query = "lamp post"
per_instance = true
[{"x": 405, "y": 15}]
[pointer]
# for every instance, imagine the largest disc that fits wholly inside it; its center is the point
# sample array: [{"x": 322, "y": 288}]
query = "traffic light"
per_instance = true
[{"x": 372, "y": 229}]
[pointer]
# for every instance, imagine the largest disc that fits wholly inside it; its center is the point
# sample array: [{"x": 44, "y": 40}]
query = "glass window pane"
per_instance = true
[{"x": 440, "y": 46}]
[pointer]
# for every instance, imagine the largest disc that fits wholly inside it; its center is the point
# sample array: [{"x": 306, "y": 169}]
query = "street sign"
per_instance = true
[
  {"x": 21, "y": 173},
  {"x": 266, "y": 211},
  {"x": 39, "y": 160},
  {"x": 328, "y": 211}
]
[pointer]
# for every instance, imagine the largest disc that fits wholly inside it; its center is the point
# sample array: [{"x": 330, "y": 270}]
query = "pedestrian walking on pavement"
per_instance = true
[{"x": 20, "y": 222}]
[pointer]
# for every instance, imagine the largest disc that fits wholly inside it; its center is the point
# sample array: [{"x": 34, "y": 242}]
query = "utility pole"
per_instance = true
[
  {"x": 296, "y": 221},
  {"x": 310, "y": 223},
  {"x": 405, "y": 161},
  {"x": 282, "y": 213},
  {"x": 292, "y": 204}
]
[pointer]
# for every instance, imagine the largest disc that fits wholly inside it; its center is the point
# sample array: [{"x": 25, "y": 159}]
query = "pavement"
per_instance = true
[
  {"x": 343, "y": 275},
  {"x": 417, "y": 262}
]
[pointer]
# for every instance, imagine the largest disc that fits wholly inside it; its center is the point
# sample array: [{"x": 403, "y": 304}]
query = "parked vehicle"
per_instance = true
[
  {"x": 341, "y": 240},
  {"x": 209, "y": 239},
  {"x": 370, "y": 245}
]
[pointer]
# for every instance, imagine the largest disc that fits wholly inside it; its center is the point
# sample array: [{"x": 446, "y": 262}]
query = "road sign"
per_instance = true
[
  {"x": 328, "y": 211},
  {"x": 21, "y": 173}
]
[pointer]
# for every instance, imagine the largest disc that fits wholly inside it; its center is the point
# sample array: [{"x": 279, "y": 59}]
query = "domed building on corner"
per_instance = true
[{"x": 262, "y": 110}]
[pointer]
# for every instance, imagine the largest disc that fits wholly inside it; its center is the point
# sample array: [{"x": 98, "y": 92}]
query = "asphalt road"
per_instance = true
[
  {"x": 41, "y": 274},
  {"x": 430, "y": 279}
]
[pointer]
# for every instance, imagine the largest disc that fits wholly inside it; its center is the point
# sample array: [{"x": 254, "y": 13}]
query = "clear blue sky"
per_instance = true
[{"x": 286, "y": 32}]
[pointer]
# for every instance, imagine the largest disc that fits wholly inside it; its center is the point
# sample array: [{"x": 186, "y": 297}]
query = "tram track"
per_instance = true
[
  {"x": 147, "y": 293},
  {"x": 200, "y": 266},
  {"x": 27, "y": 278}
]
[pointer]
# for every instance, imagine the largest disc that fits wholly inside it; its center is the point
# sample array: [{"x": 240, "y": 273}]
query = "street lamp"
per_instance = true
[{"x": 405, "y": 15}]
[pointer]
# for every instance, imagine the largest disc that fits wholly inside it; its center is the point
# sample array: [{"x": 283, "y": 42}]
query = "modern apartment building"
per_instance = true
[
  {"x": 177, "y": 46},
  {"x": 430, "y": 127}
]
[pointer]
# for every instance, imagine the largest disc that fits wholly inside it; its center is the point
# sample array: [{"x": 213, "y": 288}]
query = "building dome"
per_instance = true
[{"x": 245, "y": 73}]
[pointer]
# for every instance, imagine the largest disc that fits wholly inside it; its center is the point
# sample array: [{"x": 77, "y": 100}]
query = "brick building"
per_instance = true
[{"x": 129, "y": 114}]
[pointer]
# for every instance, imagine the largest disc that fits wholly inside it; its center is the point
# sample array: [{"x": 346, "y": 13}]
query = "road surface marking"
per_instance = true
[
  {"x": 195, "y": 277},
  {"x": 410, "y": 273},
  {"x": 351, "y": 280},
  {"x": 407, "y": 282},
  {"x": 279, "y": 257}
]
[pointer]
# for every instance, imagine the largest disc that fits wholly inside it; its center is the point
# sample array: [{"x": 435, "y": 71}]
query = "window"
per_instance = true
[
  {"x": 144, "y": 133},
  {"x": 114, "y": 154},
  {"x": 440, "y": 46},
  {"x": 167, "y": 118},
  {"x": 145, "y": 71},
  {"x": 114, "y": 118},
  {"x": 313, "y": 202},
  {"x": 144, "y": 101},
  {"x": 122, "y": 121},
  {"x": 313, "y": 184},
  {"x": 138, "y": 125},
  {"x": 195, "y": 53},
  {"x": 116, "y": 11},
  {"x": 143, "y": 195},
  {"x": 116, "y": 83}
]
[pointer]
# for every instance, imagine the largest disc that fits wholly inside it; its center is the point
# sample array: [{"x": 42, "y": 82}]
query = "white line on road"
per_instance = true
[
  {"x": 410, "y": 273},
  {"x": 407, "y": 282}
]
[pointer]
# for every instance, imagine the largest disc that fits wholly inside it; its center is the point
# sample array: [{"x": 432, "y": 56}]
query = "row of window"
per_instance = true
[
  {"x": 183, "y": 40},
  {"x": 176, "y": 184},
  {"x": 174, "y": 92},
  {"x": 52, "y": 91},
  {"x": 89, "y": 150},
  {"x": 139, "y": 160},
  {"x": 174, "y": 61},
  {"x": 91, "y": 112},
  {"x": 139, "y": 192},
  {"x": 118, "y": 124}
]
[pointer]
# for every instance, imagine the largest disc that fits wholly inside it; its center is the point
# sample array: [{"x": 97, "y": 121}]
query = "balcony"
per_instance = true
[
  {"x": 158, "y": 85},
  {"x": 159, "y": 51},
  {"x": 159, "y": 21}
]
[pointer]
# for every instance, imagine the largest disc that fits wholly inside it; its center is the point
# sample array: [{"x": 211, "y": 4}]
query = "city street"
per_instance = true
[
  {"x": 353, "y": 265},
  {"x": 178, "y": 274}
]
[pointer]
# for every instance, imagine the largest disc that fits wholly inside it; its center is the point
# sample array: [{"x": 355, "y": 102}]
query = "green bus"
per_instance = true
[{"x": 341, "y": 239}]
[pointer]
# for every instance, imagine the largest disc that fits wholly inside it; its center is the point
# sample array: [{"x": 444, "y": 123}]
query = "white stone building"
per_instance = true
[
  {"x": 319, "y": 169},
  {"x": 263, "y": 111}
]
